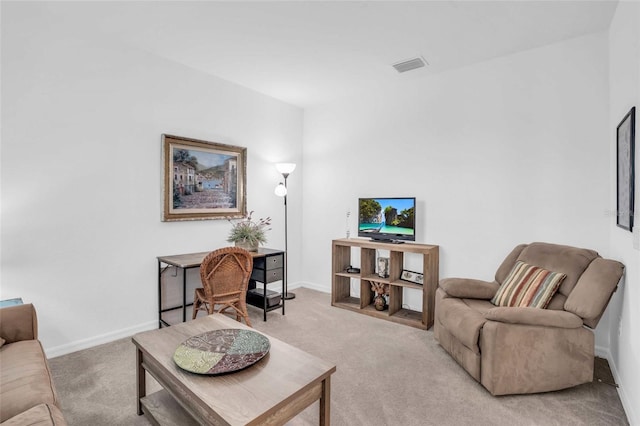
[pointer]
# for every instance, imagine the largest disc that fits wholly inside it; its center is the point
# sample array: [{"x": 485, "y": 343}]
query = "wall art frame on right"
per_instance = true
[{"x": 625, "y": 153}]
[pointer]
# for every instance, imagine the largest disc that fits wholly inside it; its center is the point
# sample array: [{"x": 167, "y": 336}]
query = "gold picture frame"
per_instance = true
[{"x": 202, "y": 180}]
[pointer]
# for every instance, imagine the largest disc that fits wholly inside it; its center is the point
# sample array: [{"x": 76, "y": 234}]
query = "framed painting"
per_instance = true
[
  {"x": 625, "y": 149},
  {"x": 202, "y": 180}
]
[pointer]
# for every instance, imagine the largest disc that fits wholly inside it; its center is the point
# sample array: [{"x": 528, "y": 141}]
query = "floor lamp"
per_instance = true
[{"x": 281, "y": 190}]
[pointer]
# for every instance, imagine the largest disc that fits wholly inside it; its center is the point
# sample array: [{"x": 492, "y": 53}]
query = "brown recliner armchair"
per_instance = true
[{"x": 519, "y": 350}]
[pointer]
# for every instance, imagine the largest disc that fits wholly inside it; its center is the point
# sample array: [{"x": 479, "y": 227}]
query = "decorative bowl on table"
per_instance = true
[{"x": 221, "y": 351}]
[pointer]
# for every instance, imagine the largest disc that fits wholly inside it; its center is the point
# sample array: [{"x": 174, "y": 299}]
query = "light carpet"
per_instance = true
[{"x": 387, "y": 374}]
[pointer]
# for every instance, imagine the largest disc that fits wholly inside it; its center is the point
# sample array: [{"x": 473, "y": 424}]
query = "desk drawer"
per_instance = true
[
  {"x": 269, "y": 262},
  {"x": 269, "y": 275}
]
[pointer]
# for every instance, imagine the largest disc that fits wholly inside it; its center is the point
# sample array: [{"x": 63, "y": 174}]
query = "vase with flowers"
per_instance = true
[
  {"x": 248, "y": 233},
  {"x": 381, "y": 290}
]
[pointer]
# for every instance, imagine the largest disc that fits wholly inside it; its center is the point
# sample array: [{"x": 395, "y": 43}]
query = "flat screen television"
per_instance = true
[{"x": 387, "y": 219}]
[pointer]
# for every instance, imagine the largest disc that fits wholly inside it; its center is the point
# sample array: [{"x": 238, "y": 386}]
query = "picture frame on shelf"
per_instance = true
[
  {"x": 412, "y": 277},
  {"x": 383, "y": 267},
  {"x": 625, "y": 155},
  {"x": 202, "y": 180}
]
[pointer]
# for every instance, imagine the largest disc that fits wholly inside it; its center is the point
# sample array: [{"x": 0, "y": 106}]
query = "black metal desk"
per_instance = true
[{"x": 268, "y": 264}]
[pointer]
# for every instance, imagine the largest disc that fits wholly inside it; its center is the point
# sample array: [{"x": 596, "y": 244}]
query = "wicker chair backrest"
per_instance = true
[{"x": 225, "y": 271}]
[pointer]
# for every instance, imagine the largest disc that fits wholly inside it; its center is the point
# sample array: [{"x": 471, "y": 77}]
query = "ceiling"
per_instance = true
[{"x": 309, "y": 52}]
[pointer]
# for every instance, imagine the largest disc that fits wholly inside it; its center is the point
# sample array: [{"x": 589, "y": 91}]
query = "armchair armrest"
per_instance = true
[
  {"x": 18, "y": 323},
  {"x": 469, "y": 288},
  {"x": 534, "y": 316}
]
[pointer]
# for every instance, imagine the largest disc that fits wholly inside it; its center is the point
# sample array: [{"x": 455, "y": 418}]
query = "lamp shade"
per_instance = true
[
  {"x": 281, "y": 190},
  {"x": 285, "y": 168}
]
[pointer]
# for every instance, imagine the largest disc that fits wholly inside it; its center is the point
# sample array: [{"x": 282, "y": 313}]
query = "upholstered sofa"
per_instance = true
[
  {"x": 27, "y": 395},
  {"x": 520, "y": 349}
]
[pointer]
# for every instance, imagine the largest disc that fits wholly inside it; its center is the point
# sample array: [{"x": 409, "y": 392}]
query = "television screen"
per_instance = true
[{"x": 388, "y": 219}]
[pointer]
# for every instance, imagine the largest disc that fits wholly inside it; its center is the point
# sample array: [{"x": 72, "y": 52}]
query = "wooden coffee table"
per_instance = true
[{"x": 270, "y": 392}]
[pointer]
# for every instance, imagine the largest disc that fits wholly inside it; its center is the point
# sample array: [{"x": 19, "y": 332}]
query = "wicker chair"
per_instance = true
[{"x": 225, "y": 278}]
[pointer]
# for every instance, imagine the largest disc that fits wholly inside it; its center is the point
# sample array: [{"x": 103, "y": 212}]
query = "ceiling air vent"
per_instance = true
[{"x": 410, "y": 64}]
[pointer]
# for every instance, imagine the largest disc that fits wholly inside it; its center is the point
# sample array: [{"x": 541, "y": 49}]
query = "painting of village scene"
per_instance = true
[{"x": 203, "y": 180}]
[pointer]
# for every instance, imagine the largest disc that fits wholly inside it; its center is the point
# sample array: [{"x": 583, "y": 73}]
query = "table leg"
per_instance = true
[
  {"x": 325, "y": 402},
  {"x": 184, "y": 294},
  {"x": 264, "y": 298},
  {"x": 159, "y": 294},
  {"x": 141, "y": 381}
]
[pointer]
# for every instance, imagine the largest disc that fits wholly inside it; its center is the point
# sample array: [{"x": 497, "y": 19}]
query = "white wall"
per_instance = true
[
  {"x": 516, "y": 149},
  {"x": 624, "y": 84},
  {"x": 506, "y": 151},
  {"x": 82, "y": 118}
]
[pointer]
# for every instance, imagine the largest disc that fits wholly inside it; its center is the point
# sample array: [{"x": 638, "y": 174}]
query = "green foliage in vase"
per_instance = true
[{"x": 249, "y": 231}]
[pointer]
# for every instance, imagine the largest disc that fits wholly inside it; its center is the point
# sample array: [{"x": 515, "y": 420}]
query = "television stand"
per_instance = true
[{"x": 343, "y": 250}]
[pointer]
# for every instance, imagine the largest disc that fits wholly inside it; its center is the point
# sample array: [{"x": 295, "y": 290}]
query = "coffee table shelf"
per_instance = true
[{"x": 163, "y": 410}]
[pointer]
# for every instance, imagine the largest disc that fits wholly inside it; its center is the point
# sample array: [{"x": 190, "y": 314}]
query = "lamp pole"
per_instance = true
[
  {"x": 286, "y": 295},
  {"x": 281, "y": 190}
]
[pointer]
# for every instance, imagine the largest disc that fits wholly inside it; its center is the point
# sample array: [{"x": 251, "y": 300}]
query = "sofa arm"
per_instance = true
[
  {"x": 534, "y": 316},
  {"x": 469, "y": 288},
  {"x": 18, "y": 323},
  {"x": 594, "y": 289}
]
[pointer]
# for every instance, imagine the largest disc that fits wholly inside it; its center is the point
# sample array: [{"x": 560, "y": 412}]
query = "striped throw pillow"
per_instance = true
[{"x": 528, "y": 286}]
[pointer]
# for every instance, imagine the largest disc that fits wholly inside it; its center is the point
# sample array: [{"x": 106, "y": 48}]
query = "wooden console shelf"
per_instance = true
[{"x": 341, "y": 280}]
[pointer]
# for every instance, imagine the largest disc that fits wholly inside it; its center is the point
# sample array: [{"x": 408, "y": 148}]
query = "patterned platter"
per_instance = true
[{"x": 221, "y": 351}]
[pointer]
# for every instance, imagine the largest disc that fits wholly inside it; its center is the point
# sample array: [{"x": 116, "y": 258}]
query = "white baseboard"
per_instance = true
[
  {"x": 602, "y": 352},
  {"x": 629, "y": 408},
  {"x": 311, "y": 286},
  {"x": 130, "y": 331},
  {"x": 99, "y": 340}
]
